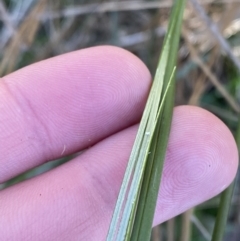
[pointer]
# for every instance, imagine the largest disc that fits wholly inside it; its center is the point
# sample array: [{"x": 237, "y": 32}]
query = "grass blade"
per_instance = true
[
  {"x": 225, "y": 202},
  {"x": 222, "y": 215},
  {"x": 133, "y": 214}
]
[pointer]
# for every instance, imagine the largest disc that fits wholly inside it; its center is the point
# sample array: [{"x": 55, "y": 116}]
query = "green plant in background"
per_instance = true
[
  {"x": 134, "y": 211},
  {"x": 225, "y": 202}
]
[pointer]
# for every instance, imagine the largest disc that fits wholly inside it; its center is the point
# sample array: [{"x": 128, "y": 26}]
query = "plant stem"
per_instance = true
[
  {"x": 222, "y": 215},
  {"x": 186, "y": 229},
  {"x": 225, "y": 202}
]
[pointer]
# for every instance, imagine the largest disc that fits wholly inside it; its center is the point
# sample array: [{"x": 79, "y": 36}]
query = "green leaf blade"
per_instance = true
[{"x": 133, "y": 215}]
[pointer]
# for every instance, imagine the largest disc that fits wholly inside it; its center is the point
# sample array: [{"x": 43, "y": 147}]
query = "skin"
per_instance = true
[{"x": 94, "y": 98}]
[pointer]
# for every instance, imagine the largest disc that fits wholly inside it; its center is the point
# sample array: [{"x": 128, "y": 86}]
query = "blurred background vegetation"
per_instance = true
[{"x": 208, "y": 65}]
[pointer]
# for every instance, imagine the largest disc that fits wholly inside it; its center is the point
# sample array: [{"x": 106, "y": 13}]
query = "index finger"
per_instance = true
[{"x": 67, "y": 103}]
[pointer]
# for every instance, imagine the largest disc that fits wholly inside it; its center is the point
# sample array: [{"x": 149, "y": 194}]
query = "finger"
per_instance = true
[
  {"x": 67, "y": 103},
  {"x": 76, "y": 200}
]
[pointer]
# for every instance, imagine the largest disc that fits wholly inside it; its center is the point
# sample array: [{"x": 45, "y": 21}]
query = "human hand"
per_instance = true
[{"x": 95, "y": 97}]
